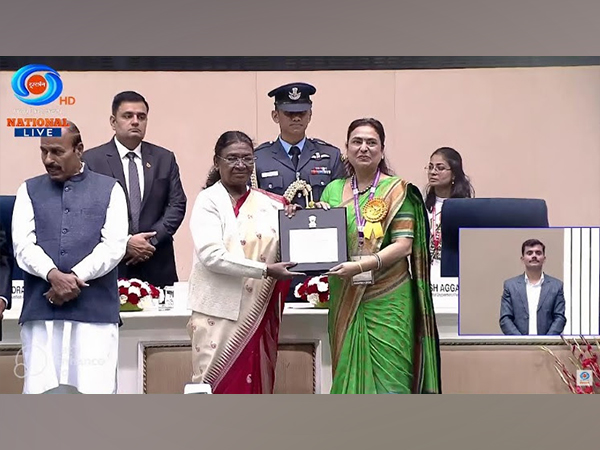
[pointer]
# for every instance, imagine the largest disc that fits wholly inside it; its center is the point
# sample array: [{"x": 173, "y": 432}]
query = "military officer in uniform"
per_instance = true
[{"x": 293, "y": 156}]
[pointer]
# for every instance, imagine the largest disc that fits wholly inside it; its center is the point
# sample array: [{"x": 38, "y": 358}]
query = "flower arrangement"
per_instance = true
[
  {"x": 315, "y": 290},
  {"x": 583, "y": 357},
  {"x": 134, "y": 294}
]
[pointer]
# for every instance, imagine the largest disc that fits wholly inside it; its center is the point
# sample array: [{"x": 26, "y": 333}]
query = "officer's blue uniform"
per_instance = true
[{"x": 319, "y": 163}]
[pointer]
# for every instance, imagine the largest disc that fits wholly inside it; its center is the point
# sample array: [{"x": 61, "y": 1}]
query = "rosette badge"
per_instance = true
[
  {"x": 374, "y": 212},
  {"x": 36, "y": 84}
]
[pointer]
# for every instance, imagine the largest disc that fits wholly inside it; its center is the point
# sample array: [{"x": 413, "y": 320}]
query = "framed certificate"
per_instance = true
[{"x": 315, "y": 239}]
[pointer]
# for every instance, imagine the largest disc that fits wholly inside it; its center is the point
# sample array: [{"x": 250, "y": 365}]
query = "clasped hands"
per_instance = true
[
  {"x": 67, "y": 286},
  {"x": 64, "y": 287}
]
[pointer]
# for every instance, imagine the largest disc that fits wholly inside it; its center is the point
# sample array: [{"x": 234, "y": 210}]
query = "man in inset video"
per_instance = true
[{"x": 533, "y": 303}]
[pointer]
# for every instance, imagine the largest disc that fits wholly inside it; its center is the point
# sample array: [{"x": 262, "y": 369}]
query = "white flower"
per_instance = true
[
  {"x": 297, "y": 290},
  {"x": 145, "y": 302},
  {"x": 124, "y": 283},
  {"x": 135, "y": 291},
  {"x": 313, "y": 298},
  {"x": 123, "y": 299},
  {"x": 322, "y": 286}
]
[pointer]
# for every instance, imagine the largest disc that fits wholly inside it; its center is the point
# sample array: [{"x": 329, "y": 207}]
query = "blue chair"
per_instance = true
[{"x": 485, "y": 213}]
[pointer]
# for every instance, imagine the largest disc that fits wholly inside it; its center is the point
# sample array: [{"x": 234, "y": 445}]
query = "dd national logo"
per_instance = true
[
  {"x": 585, "y": 378},
  {"x": 38, "y": 85}
]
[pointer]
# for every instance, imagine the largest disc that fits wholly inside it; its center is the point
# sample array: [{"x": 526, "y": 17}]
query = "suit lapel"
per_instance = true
[
  {"x": 544, "y": 292},
  {"x": 307, "y": 152},
  {"x": 522, "y": 289},
  {"x": 115, "y": 164},
  {"x": 280, "y": 155},
  {"x": 149, "y": 168}
]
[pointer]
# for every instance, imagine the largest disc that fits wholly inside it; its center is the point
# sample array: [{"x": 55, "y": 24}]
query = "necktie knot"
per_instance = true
[{"x": 131, "y": 156}]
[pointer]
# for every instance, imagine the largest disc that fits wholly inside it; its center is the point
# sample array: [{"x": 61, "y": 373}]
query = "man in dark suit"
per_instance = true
[
  {"x": 293, "y": 156},
  {"x": 6, "y": 269},
  {"x": 533, "y": 303},
  {"x": 156, "y": 199}
]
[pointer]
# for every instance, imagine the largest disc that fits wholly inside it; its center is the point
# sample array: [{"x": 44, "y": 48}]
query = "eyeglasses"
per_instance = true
[
  {"x": 233, "y": 160},
  {"x": 438, "y": 169}
]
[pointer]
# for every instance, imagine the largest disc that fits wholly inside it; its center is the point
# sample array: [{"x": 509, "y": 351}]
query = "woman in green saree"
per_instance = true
[{"x": 382, "y": 328}]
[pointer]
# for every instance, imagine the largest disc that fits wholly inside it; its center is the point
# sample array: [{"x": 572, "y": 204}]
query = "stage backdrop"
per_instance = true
[{"x": 530, "y": 132}]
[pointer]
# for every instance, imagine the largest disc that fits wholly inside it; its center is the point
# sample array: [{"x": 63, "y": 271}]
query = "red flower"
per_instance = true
[
  {"x": 302, "y": 291},
  {"x": 584, "y": 390},
  {"x": 310, "y": 288},
  {"x": 155, "y": 292},
  {"x": 587, "y": 362},
  {"x": 133, "y": 299},
  {"x": 122, "y": 290}
]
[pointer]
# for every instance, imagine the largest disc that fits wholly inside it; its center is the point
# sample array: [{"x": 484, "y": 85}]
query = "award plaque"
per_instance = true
[{"x": 313, "y": 238}]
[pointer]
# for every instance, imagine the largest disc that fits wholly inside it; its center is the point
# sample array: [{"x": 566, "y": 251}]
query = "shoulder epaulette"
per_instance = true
[
  {"x": 264, "y": 145},
  {"x": 321, "y": 142}
]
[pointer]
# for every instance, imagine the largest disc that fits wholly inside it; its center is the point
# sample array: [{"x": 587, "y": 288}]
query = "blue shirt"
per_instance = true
[{"x": 287, "y": 146}]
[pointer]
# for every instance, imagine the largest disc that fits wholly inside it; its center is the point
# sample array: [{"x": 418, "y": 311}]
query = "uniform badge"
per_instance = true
[
  {"x": 320, "y": 170},
  {"x": 294, "y": 94},
  {"x": 319, "y": 156}
]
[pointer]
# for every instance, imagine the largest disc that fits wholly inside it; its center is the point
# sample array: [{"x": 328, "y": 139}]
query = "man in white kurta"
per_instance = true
[{"x": 70, "y": 230}]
